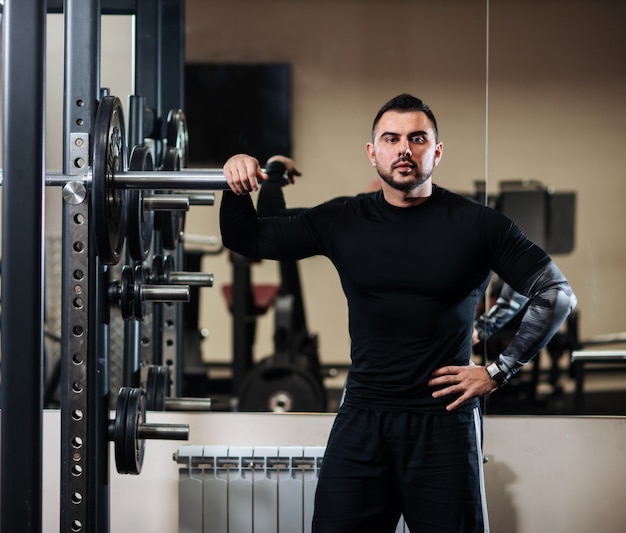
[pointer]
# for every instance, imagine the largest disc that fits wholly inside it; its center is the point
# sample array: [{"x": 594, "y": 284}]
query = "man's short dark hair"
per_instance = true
[{"x": 405, "y": 103}]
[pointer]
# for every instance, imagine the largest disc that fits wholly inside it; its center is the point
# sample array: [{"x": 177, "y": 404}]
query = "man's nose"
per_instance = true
[{"x": 405, "y": 150}]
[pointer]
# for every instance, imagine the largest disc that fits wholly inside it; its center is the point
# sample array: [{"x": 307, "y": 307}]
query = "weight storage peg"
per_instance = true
[
  {"x": 199, "y": 198},
  {"x": 163, "y": 272},
  {"x": 158, "y": 384},
  {"x": 129, "y": 431},
  {"x": 131, "y": 293}
]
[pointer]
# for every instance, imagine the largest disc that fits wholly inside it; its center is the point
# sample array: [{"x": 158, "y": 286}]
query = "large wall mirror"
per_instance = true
[
  {"x": 529, "y": 97},
  {"x": 529, "y": 100}
]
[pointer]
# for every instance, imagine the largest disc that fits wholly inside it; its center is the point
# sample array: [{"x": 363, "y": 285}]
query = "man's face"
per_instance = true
[{"x": 404, "y": 150}]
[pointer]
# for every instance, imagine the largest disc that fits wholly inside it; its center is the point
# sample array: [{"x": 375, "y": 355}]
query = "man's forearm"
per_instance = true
[{"x": 551, "y": 301}]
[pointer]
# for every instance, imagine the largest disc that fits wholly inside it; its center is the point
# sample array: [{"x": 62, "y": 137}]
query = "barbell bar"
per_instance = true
[{"x": 194, "y": 179}]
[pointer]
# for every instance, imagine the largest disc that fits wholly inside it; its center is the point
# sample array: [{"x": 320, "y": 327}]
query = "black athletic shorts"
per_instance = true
[{"x": 381, "y": 465}]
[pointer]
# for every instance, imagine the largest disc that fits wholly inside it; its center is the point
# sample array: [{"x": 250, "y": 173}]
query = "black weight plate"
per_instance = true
[
  {"x": 161, "y": 268},
  {"x": 177, "y": 134},
  {"x": 162, "y": 387},
  {"x": 168, "y": 267},
  {"x": 279, "y": 388},
  {"x": 139, "y": 306},
  {"x": 109, "y": 158},
  {"x": 171, "y": 160},
  {"x": 126, "y": 292},
  {"x": 172, "y": 228},
  {"x": 119, "y": 437},
  {"x": 140, "y": 222},
  {"x": 157, "y": 273},
  {"x": 170, "y": 224},
  {"x": 134, "y": 447},
  {"x": 151, "y": 388}
]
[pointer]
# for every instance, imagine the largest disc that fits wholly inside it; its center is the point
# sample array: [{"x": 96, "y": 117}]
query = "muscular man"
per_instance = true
[{"x": 413, "y": 259}]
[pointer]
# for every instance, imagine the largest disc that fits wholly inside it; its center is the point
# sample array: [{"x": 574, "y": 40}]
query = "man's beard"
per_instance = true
[{"x": 405, "y": 186}]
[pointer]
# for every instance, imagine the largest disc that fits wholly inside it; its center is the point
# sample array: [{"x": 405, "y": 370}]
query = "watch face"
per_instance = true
[{"x": 496, "y": 374}]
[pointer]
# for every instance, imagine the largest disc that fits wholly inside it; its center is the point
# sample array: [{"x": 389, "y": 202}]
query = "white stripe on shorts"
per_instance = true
[{"x": 479, "y": 448}]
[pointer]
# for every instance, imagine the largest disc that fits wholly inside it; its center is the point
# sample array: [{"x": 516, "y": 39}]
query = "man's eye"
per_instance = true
[{"x": 418, "y": 140}]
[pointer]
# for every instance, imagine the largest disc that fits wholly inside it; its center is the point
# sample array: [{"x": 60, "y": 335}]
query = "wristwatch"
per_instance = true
[{"x": 496, "y": 373}]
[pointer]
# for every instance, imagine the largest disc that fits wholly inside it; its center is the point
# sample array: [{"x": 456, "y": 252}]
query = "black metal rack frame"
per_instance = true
[{"x": 159, "y": 72}]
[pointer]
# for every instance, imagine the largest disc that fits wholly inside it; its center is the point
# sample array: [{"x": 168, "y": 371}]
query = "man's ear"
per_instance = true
[
  {"x": 438, "y": 153},
  {"x": 369, "y": 148}
]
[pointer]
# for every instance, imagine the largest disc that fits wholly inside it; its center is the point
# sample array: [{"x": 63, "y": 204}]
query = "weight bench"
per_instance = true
[{"x": 581, "y": 358}]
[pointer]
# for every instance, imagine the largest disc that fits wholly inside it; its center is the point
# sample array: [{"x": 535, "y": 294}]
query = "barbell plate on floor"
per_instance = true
[
  {"x": 109, "y": 204},
  {"x": 140, "y": 223},
  {"x": 281, "y": 388},
  {"x": 177, "y": 134},
  {"x": 170, "y": 224}
]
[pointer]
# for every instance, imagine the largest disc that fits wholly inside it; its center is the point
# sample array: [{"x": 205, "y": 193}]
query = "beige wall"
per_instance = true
[
  {"x": 543, "y": 474},
  {"x": 556, "y": 113}
]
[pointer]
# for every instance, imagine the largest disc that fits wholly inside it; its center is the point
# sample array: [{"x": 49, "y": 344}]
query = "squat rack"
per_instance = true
[{"x": 85, "y": 427}]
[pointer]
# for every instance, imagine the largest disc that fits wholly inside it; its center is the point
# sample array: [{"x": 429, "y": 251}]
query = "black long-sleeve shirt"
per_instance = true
[{"x": 412, "y": 278}]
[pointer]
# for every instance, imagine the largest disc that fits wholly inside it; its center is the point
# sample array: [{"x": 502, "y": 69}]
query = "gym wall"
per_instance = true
[{"x": 542, "y": 474}]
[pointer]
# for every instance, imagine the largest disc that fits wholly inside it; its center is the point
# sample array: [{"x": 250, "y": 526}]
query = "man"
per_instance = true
[{"x": 413, "y": 260}]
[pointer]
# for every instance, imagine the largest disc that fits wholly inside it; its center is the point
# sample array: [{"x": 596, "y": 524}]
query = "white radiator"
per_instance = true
[{"x": 245, "y": 489}]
